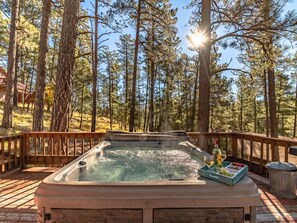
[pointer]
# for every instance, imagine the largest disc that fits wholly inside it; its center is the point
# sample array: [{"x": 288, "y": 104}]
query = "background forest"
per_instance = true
[{"x": 147, "y": 82}]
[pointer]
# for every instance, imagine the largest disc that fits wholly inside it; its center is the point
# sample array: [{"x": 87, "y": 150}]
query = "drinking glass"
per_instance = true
[{"x": 208, "y": 161}]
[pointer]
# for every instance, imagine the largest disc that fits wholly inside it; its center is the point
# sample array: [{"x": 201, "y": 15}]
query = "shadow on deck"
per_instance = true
[
  {"x": 274, "y": 208},
  {"x": 17, "y": 194}
]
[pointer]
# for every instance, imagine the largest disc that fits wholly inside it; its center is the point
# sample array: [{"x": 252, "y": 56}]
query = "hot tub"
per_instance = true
[{"x": 142, "y": 178}]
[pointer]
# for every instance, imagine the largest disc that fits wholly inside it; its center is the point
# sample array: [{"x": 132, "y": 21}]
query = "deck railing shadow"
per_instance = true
[{"x": 59, "y": 148}]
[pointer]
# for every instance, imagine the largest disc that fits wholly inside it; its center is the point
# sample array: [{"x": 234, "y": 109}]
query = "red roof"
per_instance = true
[
  {"x": 3, "y": 73},
  {"x": 3, "y": 76}
]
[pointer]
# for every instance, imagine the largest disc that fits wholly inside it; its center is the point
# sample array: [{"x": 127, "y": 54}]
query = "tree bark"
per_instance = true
[
  {"x": 193, "y": 110},
  {"x": 267, "y": 123},
  {"x": 38, "y": 113},
  {"x": 110, "y": 91},
  {"x": 95, "y": 71},
  {"x": 167, "y": 108},
  {"x": 81, "y": 106},
  {"x": 255, "y": 114},
  {"x": 62, "y": 96},
  {"x": 15, "y": 82},
  {"x": 241, "y": 113},
  {"x": 8, "y": 105},
  {"x": 272, "y": 110},
  {"x": 295, "y": 110},
  {"x": 133, "y": 95},
  {"x": 30, "y": 90},
  {"x": 151, "y": 105},
  {"x": 126, "y": 85},
  {"x": 204, "y": 68},
  {"x": 271, "y": 83},
  {"x": 145, "y": 120},
  {"x": 186, "y": 97}
]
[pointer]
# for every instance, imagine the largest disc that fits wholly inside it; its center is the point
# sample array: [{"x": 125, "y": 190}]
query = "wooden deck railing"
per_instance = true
[
  {"x": 10, "y": 152},
  {"x": 254, "y": 150},
  {"x": 59, "y": 148}
]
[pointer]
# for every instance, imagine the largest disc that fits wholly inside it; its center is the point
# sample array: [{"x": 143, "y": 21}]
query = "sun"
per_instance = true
[{"x": 198, "y": 39}]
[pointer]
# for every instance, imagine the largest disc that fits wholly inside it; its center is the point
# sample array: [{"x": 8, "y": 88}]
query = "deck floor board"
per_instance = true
[{"x": 17, "y": 194}]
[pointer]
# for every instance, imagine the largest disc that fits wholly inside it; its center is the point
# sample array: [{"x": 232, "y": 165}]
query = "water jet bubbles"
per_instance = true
[{"x": 143, "y": 164}]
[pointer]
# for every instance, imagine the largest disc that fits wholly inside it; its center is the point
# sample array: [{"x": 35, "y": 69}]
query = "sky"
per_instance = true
[
  {"x": 229, "y": 54},
  {"x": 183, "y": 16}
]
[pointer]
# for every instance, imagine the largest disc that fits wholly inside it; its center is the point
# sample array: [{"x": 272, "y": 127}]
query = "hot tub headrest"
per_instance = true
[{"x": 148, "y": 136}]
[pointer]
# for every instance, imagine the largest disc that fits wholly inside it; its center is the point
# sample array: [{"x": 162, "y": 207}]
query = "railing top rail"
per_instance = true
[
  {"x": 210, "y": 133},
  {"x": 18, "y": 136},
  {"x": 63, "y": 133},
  {"x": 246, "y": 135}
]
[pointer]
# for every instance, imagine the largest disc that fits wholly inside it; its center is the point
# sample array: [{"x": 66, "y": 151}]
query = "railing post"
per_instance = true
[
  {"x": 261, "y": 156},
  {"x": 23, "y": 150},
  {"x": 251, "y": 153},
  {"x": 234, "y": 146},
  {"x": 2, "y": 166},
  {"x": 287, "y": 152}
]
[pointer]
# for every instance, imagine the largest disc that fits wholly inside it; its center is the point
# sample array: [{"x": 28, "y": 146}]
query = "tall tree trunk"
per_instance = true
[
  {"x": 295, "y": 110},
  {"x": 25, "y": 81},
  {"x": 82, "y": 105},
  {"x": 180, "y": 104},
  {"x": 204, "y": 71},
  {"x": 160, "y": 107},
  {"x": 126, "y": 86},
  {"x": 255, "y": 114},
  {"x": 133, "y": 95},
  {"x": 186, "y": 97},
  {"x": 17, "y": 57},
  {"x": 62, "y": 96},
  {"x": 152, "y": 91},
  {"x": 267, "y": 123},
  {"x": 95, "y": 71},
  {"x": 193, "y": 110},
  {"x": 110, "y": 89},
  {"x": 38, "y": 113},
  {"x": 8, "y": 105},
  {"x": 241, "y": 113},
  {"x": 152, "y": 122},
  {"x": 30, "y": 90},
  {"x": 53, "y": 58},
  {"x": 145, "y": 120},
  {"x": 15, "y": 82},
  {"x": 167, "y": 108},
  {"x": 272, "y": 110},
  {"x": 271, "y": 82},
  {"x": 22, "y": 78}
]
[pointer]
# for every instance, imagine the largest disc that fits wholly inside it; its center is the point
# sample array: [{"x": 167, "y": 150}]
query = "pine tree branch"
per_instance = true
[
  {"x": 231, "y": 69},
  {"x": 82, "y": 55}
]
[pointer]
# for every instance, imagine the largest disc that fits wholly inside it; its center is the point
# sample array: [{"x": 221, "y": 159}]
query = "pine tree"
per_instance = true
[
  {"x": 62, "y": 101},
  {"x": 8, "y": 106},
  {"x": 41, "y": 68},
  {"x": 125, "y": 50},
  {"x": 134, "y": 75},
  {"x": 160, "y": 50}
]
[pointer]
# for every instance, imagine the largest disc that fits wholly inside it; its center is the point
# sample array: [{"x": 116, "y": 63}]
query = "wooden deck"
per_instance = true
[{"x": 17, "y": 193}]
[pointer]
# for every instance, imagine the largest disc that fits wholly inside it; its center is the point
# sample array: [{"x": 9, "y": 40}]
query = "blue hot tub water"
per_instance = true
[{"x": 142, "y": 164}]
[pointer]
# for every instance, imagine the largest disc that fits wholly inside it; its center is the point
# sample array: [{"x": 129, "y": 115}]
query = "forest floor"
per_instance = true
[{"x": 22, "y": 122}]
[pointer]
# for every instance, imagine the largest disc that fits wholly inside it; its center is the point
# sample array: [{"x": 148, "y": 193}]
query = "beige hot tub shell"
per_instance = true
[{"x": 57, "y": 192}]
